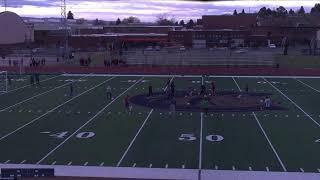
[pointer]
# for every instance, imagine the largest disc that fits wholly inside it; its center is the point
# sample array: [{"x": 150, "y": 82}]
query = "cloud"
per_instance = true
[{"x": 146, "y": 10}]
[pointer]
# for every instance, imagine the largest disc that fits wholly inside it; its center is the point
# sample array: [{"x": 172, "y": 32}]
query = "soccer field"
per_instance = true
[{"x": 45, "y": 125}]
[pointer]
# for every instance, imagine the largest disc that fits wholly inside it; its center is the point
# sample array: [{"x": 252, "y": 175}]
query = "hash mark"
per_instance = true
[
  {"x": 134, "y": 165},
  {"x": 69, "y": 163},
  {"x": 302, "y": 170},
  {"x": 85, "y": 164},
  {"x": 22, "y": 161}
]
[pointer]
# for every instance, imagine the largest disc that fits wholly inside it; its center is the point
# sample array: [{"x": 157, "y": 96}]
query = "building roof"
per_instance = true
[
  {"x": 121, "y": 35},
  {"x": 228, "y": 21}
]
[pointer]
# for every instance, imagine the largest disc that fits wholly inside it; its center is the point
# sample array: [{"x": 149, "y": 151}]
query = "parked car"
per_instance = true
[{"x": 272, "y": 46}]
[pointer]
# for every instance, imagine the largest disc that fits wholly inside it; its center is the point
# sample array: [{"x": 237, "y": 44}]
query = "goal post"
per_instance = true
[{"x": 3, "y": 81}]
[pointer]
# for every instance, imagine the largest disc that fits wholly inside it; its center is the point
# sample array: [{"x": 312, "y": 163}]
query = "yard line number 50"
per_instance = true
[{"x": 191, "y": 137}]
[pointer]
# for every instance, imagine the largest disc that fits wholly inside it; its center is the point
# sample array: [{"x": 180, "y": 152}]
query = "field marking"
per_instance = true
[
  {"x": 53, "y": 109},
  {"x": 272, "y": 147},
  {"x": 200, "y": 143},
  {"x": 133, "y": 140},
  {"x": 13, "y": 90},
  {"x": 165, "y": 88},
  {"x": 179, "y": 75},
  {"x": 292, "y": 102},
  {"x": 307, "y": 85},
  {"x": 86, "y": 123},
  {"x": 7, "y": 162},
  {"x": 265, "y": 134},
  {"x": 23, "y": 161},
  {"x": 35, "y": 96}
]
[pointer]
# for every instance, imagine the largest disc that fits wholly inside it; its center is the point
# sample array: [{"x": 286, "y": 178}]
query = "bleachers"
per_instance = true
[{"x": 202, "y": 57}]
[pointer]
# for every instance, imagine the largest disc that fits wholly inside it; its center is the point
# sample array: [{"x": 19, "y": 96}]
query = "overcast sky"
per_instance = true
[{"x": 146, "y": 10}]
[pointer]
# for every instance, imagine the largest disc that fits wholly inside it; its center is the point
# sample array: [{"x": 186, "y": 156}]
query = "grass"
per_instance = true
[{"x": 88, "y": 129}]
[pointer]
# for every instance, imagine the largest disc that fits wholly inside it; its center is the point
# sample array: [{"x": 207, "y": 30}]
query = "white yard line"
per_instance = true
[
  {"x": 236, "y": 84},
  {"x": 86, "y": 123},
  {"x": 272, "y": 147},
  {"x": 13, "y": 90},
  {"x": 200, "y": 143},
  {"x": 165, "y": 88},
  {"x": 307, "y": 85},
  {"x": 265, "y": 134},
  {"x": 179, "y": 75},
  {"x": 33, "y": 97},
  {"x": 135, "y": 137},
  {"x": 292, "y": 102},
  {"x": 53, "y": 109},
  {"x": 137, "y": 134}
]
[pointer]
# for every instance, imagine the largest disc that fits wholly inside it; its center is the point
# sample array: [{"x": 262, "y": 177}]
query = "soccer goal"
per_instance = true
[{"x": 3, "y": 81}]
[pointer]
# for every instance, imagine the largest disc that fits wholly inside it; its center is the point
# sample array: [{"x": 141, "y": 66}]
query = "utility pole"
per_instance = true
[
  {"x": 5, "y": 5},
  {"x": 64, "y": 24}
]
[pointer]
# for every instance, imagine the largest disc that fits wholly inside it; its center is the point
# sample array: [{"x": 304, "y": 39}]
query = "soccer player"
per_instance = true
[
  {"x": 150, "y": 90},
  {"x": 213, "y": 88},
  {"x": 172, "y": 86},
  {"x": 203, "y": 90},
  {"x": 173, "y": 104},
  {"x": 247, "y": 88},
  {"x": 267, "y": 102},
  {"x": 109, "y": 94},
  {"x": 38, "y": 79},
  {"x": 31, "y": 79},
  {"x": 71, "y": 89},
  {"x": 205, "y": 104},
  {"x": 126, "y": 103}
]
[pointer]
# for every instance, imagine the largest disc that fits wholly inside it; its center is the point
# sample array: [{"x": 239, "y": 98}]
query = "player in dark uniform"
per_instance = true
[
  {"x": 126, "y": 102},
  {"x": 31, "y": 79},
  {"x": 213, "y": 88},
  {"x": 71, "y": 89},
  {"x": 150, "y": 90},
  {"x": 172, "y": 86},
  {"x": 203, "y": 90}
]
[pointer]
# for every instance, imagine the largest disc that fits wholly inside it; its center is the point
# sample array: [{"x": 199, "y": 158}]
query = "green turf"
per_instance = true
[{"x": 116, "y": 140}]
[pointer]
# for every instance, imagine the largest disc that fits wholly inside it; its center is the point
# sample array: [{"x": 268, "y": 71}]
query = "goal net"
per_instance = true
[{"x": 3, "y": 81}]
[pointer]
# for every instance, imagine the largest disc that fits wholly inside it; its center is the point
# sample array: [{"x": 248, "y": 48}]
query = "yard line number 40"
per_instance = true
[
  {"x": 191, "y": 137},
  {"x": 81, "y": 135}
]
